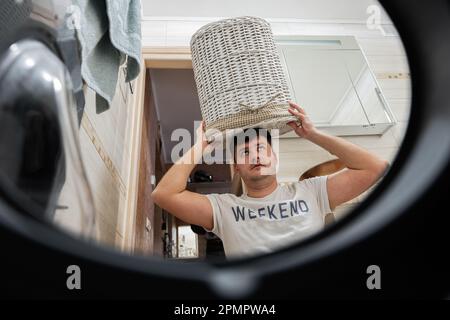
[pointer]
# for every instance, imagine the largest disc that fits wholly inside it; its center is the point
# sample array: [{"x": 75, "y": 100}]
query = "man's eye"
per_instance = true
[{"x": 261, "y": 147}]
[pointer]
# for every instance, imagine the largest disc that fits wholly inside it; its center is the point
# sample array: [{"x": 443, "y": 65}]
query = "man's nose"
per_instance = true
[{"x": 255, "y": 157}]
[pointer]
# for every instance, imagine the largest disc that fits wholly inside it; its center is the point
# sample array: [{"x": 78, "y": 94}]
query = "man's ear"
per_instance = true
[{"x": 273, "y": 152}]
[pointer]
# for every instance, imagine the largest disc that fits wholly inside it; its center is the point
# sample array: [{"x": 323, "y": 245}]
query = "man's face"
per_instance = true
[{"x": 255, "y": 159}]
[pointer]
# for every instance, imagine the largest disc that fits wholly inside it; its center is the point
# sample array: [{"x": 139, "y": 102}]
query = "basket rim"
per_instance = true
[{"x": 213, "y": 24}]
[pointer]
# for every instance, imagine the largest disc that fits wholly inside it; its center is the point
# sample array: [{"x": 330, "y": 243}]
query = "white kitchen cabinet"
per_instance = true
[{"x": 330, "y": 78}]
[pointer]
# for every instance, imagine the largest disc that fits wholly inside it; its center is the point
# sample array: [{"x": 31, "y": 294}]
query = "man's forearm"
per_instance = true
[
  {"x": 175, "y": 179},
  {"x": 353, "y": 156}
]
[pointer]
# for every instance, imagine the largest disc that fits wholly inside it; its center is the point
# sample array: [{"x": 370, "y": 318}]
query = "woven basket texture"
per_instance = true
[{"x": 239, "y": 76}]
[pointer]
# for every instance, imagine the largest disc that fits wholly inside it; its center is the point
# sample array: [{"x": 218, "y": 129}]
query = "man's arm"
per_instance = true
[
  {"x": 363, "y": 168},
  {"x": 171, "y": 194}
]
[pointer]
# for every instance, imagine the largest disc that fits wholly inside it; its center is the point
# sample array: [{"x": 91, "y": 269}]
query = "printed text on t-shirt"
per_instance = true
[{"x": 281, "y": 210}]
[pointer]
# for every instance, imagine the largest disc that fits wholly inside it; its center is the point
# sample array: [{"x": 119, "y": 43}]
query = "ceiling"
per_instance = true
[{"x": 296, "y": 9}]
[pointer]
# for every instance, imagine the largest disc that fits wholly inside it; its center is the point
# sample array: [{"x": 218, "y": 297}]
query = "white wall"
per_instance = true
[{"x": 297, "y": 9}]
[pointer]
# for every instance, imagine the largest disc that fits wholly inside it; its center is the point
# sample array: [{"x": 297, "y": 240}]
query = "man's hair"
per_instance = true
[{"x": 245, "y": 137}]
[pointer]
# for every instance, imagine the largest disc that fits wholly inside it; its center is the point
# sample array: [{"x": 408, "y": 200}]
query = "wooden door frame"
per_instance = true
[{"x": 152, "y": 57}]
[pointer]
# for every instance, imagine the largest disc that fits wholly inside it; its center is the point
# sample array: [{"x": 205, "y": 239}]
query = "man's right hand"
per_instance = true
[
  {"x": 200, "y": 135},
  {"x": 171, "y": 194}
]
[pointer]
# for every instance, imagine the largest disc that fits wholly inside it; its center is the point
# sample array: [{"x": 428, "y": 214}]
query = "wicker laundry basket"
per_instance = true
[{"x": 239, "y": 77}]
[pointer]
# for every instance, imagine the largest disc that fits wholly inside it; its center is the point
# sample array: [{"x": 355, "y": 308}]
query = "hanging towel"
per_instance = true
[{"x": 109, "y": 32}]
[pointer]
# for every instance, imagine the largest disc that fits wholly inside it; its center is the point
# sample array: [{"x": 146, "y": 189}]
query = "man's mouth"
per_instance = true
[{"x": 258, "y": 165}]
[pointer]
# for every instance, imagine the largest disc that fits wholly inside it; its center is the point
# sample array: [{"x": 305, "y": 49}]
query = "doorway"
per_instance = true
[{"x": 157, "y": 232}]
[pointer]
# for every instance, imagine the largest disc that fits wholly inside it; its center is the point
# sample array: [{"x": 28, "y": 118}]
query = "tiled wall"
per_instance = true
[{"x": 386, "y": 57}]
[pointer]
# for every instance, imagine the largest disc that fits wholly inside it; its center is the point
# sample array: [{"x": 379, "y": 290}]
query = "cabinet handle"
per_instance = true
[{"x": 385, "y": 105}]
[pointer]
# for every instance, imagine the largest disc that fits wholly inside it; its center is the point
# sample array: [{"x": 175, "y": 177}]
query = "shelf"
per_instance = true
[{"x": 210, "y": 187}]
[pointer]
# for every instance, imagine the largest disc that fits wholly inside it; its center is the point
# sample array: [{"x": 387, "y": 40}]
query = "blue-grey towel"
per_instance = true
[{"x": 110, "y": 35}]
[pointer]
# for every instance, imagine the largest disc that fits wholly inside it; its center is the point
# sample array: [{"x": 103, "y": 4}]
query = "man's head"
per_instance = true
[{"x": 253, "y": 155}]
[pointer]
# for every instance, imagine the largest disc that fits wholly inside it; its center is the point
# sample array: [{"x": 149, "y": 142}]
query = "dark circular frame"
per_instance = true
[{"x": 421, "y": 26}]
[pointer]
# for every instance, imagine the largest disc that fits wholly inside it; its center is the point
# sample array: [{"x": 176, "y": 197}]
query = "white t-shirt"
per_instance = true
[{"x": 292, "y": 212}]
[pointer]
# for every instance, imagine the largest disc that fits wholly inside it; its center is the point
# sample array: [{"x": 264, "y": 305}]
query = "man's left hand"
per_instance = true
[{"x": 306, "y": 129}]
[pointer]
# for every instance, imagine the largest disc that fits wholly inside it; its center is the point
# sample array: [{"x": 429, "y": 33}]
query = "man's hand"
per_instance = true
[
  {"x": 363, "y": 168},
  {"x": 200, "y": 135},
  {"x": 171, "y": 194},
  {"x": 306, "y": 129}
]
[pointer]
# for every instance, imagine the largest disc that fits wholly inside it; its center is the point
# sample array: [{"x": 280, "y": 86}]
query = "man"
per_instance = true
[{"x": 269, "y": 215}]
